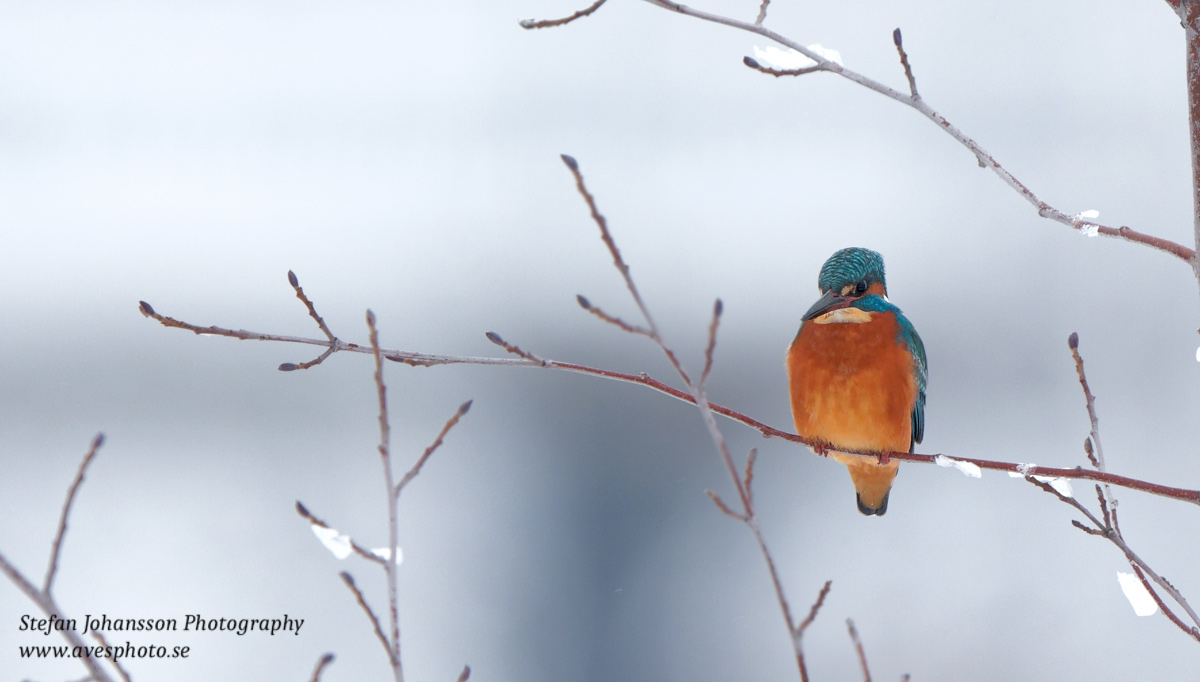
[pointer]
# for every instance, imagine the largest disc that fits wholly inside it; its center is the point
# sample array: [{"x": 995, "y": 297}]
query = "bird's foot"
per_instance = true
[{"x": 883, "y": 458}]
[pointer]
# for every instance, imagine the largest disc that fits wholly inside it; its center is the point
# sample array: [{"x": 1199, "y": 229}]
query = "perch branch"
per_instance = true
[{"x": 525, "y": 359}]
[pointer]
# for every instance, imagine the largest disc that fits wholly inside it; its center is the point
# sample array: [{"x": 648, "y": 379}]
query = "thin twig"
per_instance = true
[
  {"x": 512, "y": 348},
  {"x": 762, "y": 12},
  {"x": 46, "y": 603},
  {"x": 312, "y": 311},
  {"x": 748, "y": 477},
  {"x": 912, "y": 82},
  {"x": 52, "y": 568},
  {"x": 321, "y": 663},
  {"x": 116, "y": 662},
  {"x": 362, "y": 601},
  {"x": 547, "y": 23},
  {"x": 416, "y": 468},
  {"x": 862, "y": 655},
  {"x": 385, "y": 437},
  {"x": 416, "y": 359},
  {"x": 465, "y": 674},
  {"x": 611, "y": 319},
  {"x": 798, "y": 631},
  {"x": 358, "y": 549},
  {"x": 812, "y": 613},
  {"x": 712, "y": 343},
  {"x": 984, "y": 158},
  {"x": 724, "y": 507}
]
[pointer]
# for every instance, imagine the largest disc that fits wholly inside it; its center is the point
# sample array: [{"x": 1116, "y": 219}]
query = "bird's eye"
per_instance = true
[{"x": 861, "y": 287}]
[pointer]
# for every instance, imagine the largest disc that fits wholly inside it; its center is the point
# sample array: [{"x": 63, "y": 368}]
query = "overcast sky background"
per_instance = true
[{"x": 404, "y": 157}]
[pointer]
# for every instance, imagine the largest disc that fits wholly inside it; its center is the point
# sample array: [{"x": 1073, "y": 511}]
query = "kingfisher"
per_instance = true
[{"x": 856, "y": 373}]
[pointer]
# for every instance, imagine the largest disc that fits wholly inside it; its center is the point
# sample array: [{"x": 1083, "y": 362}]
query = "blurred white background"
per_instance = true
[{"x": 404, "y": 157}]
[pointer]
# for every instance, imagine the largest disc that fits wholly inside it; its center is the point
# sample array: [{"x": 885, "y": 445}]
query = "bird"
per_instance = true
[{"x": 856, "y": 374}]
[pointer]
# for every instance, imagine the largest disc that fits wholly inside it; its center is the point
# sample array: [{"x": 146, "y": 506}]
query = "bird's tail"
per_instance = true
[{"x": 872, "y": 481}]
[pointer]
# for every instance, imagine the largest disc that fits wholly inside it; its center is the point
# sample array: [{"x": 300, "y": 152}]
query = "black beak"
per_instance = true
[{"x": 830, "y": 301}]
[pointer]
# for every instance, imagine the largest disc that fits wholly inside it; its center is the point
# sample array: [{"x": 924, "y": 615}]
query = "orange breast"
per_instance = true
[{"x": 852, "y": 384}]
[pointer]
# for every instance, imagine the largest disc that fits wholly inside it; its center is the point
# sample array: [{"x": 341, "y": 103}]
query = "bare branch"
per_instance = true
[
  {"x": 465, "y": 674},
  {"x": 321, "y": 664},
  {"x": 362, "y": 601},
  {"x": 416, "y": 468},
  {"x": 548, "y": 23},
  {"x": 985, "y": 159},
  {"x": 385, "y": 436},
  {"x": 66, "y": 511},
  {"x": 862, "y": 655}
]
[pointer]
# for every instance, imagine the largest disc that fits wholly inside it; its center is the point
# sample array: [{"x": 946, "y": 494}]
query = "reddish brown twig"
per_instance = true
[
  {"x": 547, "y": 23},
  {"x": 321, "y": 664},
  {"x": 416, "y": 468},
  {"x": 465, "y": 674},
  {"x": 912, "y": 82},
  {"x": 798, "y": 631},
  {"x": 611, "y": 319},
  {"x": 858, "y": 647},
  {"x": 362, "y": 601},
  {"x": 66, "y": 511}
]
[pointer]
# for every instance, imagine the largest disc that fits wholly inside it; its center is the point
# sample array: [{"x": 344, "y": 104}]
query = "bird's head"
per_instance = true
[{"x": 847, "y": 276}]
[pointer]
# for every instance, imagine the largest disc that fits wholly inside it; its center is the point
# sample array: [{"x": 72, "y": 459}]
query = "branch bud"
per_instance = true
[
  {"x": 1073, "y": 340},
  {"x": 145, "y": 308},
  {"x": 292, "y": 279},
  {"x": 570, "y": 161}
]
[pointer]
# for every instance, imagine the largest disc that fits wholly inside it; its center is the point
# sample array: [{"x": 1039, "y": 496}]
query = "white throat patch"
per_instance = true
[{"x": 842, "y": 315}]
